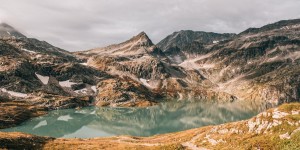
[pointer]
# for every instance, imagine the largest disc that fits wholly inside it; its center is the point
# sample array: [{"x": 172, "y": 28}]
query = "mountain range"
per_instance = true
[
  {"x": 261, "y": 65},
  {"x": 258, "y": 65}
]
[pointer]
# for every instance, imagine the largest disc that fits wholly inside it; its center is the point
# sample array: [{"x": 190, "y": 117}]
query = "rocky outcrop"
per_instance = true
[
  {"x": 124, "y": 92},
  {"x": 15, "y": 111},
  {"x": 24, "y": 141}
]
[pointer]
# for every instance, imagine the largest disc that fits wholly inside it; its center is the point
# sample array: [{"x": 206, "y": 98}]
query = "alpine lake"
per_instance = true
[{"x": 166, "y": 117}]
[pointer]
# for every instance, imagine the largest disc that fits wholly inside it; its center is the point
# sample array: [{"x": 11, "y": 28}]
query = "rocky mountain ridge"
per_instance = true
[
  {"x": 260, "y": 65},
  {"x": 257, "y": 65},
  {"x": 8, "y": 31},
  {"x": 185, "y": 44},
  {"x": 137, "y": 45},
  {"x": 147, "y": 70}
]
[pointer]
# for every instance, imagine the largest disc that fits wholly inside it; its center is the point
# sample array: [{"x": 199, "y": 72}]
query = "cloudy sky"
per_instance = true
[{"x": 84, "y": 24}]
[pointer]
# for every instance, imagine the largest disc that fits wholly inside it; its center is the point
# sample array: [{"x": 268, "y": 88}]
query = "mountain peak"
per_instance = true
[
  {"x": 5, "y": 25},
  {"x": 8, "y": 31},
  {"x": 182, "y": 39},
  {"x": 143, "y": 33},
  {"x": 142, "y": 38},
  {"x": 272, "y": 26},
  {"x": 137, "y": 45}
]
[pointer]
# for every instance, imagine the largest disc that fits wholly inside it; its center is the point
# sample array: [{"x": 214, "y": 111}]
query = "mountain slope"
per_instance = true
[
  {"x": 142, "y": 66},
  {"x": 186, "y": 43},
  {"x": 137, "y": 45},
  {"x": 40, "y": 74},
  {"x": 8, "y": 31},
  {"x": 261, "y": 65},
  {"x": 283, "y": 24}
]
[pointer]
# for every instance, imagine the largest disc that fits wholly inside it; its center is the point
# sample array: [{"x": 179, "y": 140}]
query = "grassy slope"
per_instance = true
[{"x": 277, "y": 128}]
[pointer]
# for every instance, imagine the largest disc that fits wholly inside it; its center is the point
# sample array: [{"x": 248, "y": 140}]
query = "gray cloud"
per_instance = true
[{"x": 84, "y": 24}]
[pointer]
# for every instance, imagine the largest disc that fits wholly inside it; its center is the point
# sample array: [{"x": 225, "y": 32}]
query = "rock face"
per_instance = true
[
  {"x": 40, "y": 75},
  {"x": 14, "y": 113},
  {"x": 187, "y": 44},
  {"x": 139, "y": 61},
  {"x": 259, "y": 65},
  {"x": 124, "y": 92}
]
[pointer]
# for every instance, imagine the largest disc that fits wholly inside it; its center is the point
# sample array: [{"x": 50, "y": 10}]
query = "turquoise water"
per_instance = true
[{"x": 164, "y": 118}]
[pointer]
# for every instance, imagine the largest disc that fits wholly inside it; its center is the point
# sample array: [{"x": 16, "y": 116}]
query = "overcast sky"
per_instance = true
[{"x": 85, "y": 24}]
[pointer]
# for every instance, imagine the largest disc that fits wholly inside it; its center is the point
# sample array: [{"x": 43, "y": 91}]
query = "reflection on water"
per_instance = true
[{"x": 106, "y": 121}]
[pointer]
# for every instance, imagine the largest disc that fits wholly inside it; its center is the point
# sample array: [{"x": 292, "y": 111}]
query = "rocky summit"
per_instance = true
[{"x": 259, "y": 65}]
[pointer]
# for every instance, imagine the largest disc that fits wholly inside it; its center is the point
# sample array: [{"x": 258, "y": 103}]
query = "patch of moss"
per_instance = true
[
  {"x": 289, "y": 107},
  {"x": 292, "y": 144},
  {"x": 283, "y": 128}
]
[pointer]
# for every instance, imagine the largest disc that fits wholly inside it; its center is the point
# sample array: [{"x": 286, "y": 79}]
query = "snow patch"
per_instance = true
[
  {"x": 38, "y": 56},
  {"x": 215, "y": 42},
  {"x": 94, "y": 88},
  {"x": 191, "y": 63},
  {"x": 84, "y": 64},
  {"x": 66, "y": 83},
  {"x": 82, "y": 91},
  {"x": 246, "y": 45},
  {"x": 178, "y": 59},
  {"x": 44, "y": 79},
  {"x": 28, "y": 50},
  {"x": 15, "y": 94},
  {"x": 145, "y": 82}
]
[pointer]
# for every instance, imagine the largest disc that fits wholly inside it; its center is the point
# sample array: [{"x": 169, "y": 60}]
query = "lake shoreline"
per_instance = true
[
  {"x": 241, "y": 134},
  {"x": 168, "y": 117}
]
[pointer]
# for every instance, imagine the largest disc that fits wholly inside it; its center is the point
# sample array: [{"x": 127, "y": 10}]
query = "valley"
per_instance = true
[{"x": 258, "y": 68}]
